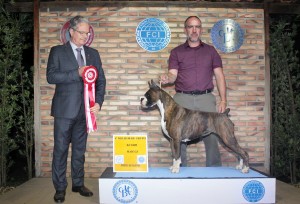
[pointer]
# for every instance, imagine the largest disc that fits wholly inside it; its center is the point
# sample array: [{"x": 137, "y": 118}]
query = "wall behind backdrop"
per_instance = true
[{"x": 128, "y": 68}]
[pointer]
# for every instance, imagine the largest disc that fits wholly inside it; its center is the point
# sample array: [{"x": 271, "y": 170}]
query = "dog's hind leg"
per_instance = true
[
  {"x": 243, "y": 163},
  {"x": 175, "y": 147},
  {"x": 226, "y": 133},
  {"x": 242, "y": 154}
]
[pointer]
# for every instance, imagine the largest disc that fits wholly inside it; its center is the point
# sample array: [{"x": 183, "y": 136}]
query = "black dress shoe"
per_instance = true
[
  {"x": 84, "y": 191},
  {"x": 59, "y": 196}
]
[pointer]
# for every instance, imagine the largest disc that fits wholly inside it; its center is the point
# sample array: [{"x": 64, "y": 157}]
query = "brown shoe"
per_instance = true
[
  {"x": 82, "y": 190},
  {"x": 59, "y": 196}
]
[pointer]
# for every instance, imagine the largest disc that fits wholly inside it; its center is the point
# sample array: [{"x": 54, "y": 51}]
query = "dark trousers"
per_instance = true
[
  {"x": 68, "y": 131},
  {"x": 205, "y": 102}
]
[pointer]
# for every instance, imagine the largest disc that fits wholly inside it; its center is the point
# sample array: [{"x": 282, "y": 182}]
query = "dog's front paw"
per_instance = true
[
  {"x": 245, "y": 169},
  {"x": 175, "y": 169},
  {"x": 176, "y": 166},
  {"x": 239, "y": 167}
]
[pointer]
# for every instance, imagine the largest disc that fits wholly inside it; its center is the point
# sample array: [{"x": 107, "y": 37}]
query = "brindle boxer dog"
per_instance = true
[{"x": 180, "y": 125}]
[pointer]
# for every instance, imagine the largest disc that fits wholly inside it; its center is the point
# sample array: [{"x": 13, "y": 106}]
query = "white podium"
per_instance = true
[{"x": 193, "y": 185}]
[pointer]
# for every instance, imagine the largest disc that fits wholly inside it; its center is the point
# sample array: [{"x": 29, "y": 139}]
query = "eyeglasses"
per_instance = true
[
  {"x": 191, "y": 26},
  {"x": 81, "y": 32}
]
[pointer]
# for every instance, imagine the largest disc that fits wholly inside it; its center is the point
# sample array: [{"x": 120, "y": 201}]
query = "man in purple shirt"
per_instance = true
[{"x": 192, "y": 66}]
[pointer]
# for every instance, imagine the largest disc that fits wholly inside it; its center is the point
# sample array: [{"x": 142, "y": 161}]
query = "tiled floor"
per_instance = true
[{"x": 41, "y": 191}]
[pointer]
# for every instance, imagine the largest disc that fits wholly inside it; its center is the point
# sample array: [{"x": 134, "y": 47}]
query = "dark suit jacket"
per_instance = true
[{"x": 62, "y": 70}]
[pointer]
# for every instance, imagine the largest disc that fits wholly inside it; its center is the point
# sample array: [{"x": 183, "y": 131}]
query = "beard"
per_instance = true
[{"x": 193, "y": 39}]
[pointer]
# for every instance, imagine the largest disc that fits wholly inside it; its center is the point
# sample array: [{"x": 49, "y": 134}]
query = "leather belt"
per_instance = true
[{"x": 195, "y": 92}]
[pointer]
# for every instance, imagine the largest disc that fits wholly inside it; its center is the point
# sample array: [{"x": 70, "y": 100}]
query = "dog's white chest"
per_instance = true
[{"x": 162, "y": 113}]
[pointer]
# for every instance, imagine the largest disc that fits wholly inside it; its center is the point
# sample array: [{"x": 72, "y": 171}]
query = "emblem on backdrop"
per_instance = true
[
  {"x": 227, "y": 35},
  {"x": 153, "y": 34},
  {"x": 65, "y": 35}
]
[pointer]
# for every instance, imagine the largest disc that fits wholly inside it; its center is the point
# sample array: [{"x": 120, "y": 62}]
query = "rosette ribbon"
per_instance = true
[{"x": 89, "y": 76}]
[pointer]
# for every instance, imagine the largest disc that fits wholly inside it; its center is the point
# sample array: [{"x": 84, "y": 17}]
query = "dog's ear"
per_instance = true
[{"x": 153, "y": 85}]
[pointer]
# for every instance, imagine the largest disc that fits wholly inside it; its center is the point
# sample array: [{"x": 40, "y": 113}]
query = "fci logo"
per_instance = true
[
  {"x": 153, "y": 34},
  {"x": 253, "y": 191}
]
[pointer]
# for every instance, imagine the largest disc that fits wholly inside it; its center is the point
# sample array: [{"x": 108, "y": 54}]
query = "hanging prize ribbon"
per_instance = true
[{"x": 89, "y": 76}]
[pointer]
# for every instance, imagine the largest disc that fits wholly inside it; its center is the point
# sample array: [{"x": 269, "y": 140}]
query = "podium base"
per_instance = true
[{"x": 193, "y": 185}]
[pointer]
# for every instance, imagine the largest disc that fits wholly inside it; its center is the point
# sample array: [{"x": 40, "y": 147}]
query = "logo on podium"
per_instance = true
[
  {"x": 253, "y": 191},
  {"x": 125, "y": 191}
]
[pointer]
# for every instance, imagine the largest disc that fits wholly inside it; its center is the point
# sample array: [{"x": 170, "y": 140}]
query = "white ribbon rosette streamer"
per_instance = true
[{"x": 89, "y": 76}]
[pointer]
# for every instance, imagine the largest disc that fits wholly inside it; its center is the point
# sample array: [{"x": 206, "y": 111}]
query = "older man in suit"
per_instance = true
[{"x": 66, "y": 64}]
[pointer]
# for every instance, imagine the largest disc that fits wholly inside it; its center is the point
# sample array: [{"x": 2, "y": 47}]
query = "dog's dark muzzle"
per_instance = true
[{"x": 146, "y": 106}]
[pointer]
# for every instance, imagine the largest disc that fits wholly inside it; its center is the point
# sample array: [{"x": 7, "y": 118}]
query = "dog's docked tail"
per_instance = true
[{"x": 226, "y": 111}]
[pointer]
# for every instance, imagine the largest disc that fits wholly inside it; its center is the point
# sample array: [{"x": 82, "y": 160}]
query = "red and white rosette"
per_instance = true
[{"x": 89, "y": 76}]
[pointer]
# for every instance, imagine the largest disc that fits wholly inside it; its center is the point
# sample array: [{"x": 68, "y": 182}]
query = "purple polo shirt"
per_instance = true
[{"x": 195, "y": 66}]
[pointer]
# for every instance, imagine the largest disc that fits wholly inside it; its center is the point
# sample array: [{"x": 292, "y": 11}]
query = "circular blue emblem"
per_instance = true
[
  {"x": 153, "y": 34},
  {"x": 125, "y": 191},
  {"x": 141, "y": 160},
  {"x": 253, "y": 191},
  {"x": 227, "y": 35}
]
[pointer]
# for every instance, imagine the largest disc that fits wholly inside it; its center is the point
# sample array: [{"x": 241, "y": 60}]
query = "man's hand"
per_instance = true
[
  {"x": 96, "y": 108},
  {"x": 164, "y": 79},
  {"x": 80, "y": 70},
  {"x": 170, "y": 77},
  {"x": 222, "y": 106}
]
